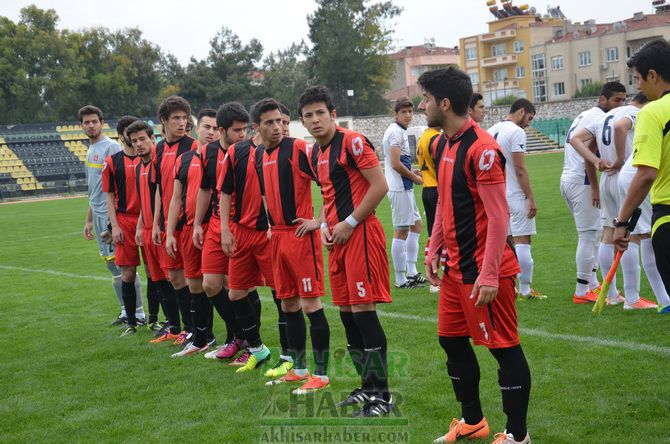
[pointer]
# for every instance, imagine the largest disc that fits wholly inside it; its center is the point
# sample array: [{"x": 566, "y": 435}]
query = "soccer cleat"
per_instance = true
[
  {"x": 167, "y": 336},
  {"x": 459, "y": 429},
  {"x": 183, "y": 338},
  {"x": 589, "y": 298},
  {"x": 641, "y": 304},
  {"x": 241, "y": 360},
  {"x": 290, "y": 377},
  {"x": 281, "y": 368},
  {"x": 418, "y": 278},
  {"x": 211, "y": 341},
  {"x": 128, "y": 331},
  {"x": 212, "y": 354},
  {"x": 155, "y": 327},
  {"x": 255, "y": 360},
  {"x": 119, "y": 321},
  {"x": 664, "y": 310},
  {"x": 190, "y": 349},
  {"x": 357, "y": 396},
  {"x": 375, "y": 407},
  {"x": 230, "y": 349},
  {"x": 619, "y": 299},
  {"x": 409, "y": 284},
  {"x": 597, "y": 289},
  {"x": 141, "y": 322},
  {"x": 508, "y": 438},
  {"x": 533, "y": 295},
  {"x": 313, "y": 384}
]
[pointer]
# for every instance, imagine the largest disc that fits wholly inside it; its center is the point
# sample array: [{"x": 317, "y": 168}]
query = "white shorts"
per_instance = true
[
  {"x": 404, "y": 212},
  {"x": 100, "y": 223},
  {"x": 609, "y": 199},
  {"x": 643, "y": 225},
  {"x": 519, "y": 224},
  {"x": 580, "y": 203}
]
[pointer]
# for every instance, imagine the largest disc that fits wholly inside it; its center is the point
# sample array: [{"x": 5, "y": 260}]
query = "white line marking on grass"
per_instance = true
[
  {"x": 588, "y": 340},
  {"x": 31, "y": 239}
]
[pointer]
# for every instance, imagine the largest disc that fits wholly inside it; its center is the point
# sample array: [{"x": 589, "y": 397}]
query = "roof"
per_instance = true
[
  {"x": 421, "y": 50},
  {"x": 631, "y": 24}
]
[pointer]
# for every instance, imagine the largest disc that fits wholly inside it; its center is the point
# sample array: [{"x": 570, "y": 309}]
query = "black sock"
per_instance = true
[
  {"x": 514, "y": 380},
  {"x": 210, "y": 321},
  {"x": 129, "y": 297},
  {"x": 320, "y": 333},
  {"x": 224, "y": 308},
  {"x": 375, "y": 370},
  {"x": 354, "y": 343},
  {"x": 246, "y": 319},
  {"x": 153, "y": 297},
  {"x": 184, "y": 303},
  {"x": 463, "y": 370},
  {"x": 281, "y": 325},
  {"x": 297, "y": 338},
  {"x": 200, "y": 319},
  {"x": 170, "y": 308},
  {"x": 256, "y": 302}
]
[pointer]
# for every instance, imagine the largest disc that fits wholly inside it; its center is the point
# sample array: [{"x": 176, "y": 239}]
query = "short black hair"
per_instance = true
[
  {"x": 316, "y": 94},
  {"x": 88, "y": 110},
  {"x": 402, "y": 103},
  {"x": 123, "y": 123},
  {"x": 449, "y": 83},
  {"x": 284, "y": 109},
  {"x": 230, "y": 113},
  {"x": 655, "y": 54},
  {"x": 137, "y": 126},
  {"x": 476, "y": 97},
  {"x": 172, "y": 104},
  {"x": 524, "y": 104},
  {"x": 610, "y": 88},
  {"x": 206, "y": 112},
  {"x": 263, "y": 106},
  {"x": 640, "y": 98}
]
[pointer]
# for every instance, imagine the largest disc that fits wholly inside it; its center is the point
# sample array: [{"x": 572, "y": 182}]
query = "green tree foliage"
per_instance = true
[
  {"x": 350, "y": 40},
  {"x": 590, "y": 90},
  {"x": 507, "y": 100},
  {"x": 286, "y": 75}
]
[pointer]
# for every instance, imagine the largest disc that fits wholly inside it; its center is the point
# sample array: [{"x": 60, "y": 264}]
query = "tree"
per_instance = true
[
  {"x": 506, "y": 100},
  {"x": 286, "y": 75},
  {"x": 589, "y": 90},
  {"x": 350, "y": 42}
]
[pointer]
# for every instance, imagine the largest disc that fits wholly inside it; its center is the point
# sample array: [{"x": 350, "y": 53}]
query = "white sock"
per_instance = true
[
  {"x": 630, "y": 264},
  {"x": 399, "y": 254},
  {"x": 593, "y": 282},
  {"x": 526, "y": 264},
  {"x": 606, "y": 259},
  {"x": 117, "y": 283},
  {"x": 584, "y": 260},
  {"x": 116, "y": 280},
  {"x": 654, "y": 278},
  {"x": 412, "y": 253},
  {"x": 139, "y": 311}
]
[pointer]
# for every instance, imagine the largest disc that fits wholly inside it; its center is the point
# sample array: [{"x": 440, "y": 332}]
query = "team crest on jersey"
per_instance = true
[
  {"x": 486, "y": 160},
  {"x": 95, "y": 158},
  {"x": 357, "y": 146}
]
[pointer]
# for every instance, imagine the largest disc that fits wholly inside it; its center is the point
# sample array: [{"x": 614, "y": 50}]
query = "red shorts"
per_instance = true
[
  {"x": 359, "y": 269},
  {"x": 492, "y": 325},
  {"x": 253, "y": 255},
  {"x": 297, "y": 264},
  {"x": 214, "y": 261},
  {"x": 166, "y": 261},
  {"x": 127, "y": 254},
  {"x": 191, "y": 256},
  {"x": 151, "y": 254}
]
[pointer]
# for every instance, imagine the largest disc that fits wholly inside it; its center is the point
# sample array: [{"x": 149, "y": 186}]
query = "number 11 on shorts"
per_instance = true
[{"x": 307, "y": 284}]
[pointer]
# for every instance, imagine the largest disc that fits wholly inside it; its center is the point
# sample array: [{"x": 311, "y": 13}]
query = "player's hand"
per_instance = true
[
  {"x": 614, "y": 168},
  {"x": 117, "y": 235},
  {"x": 268, "y": 233},
  {"x": 595, "y": 196},
  {"x": 418, "y": 180},
  {"x": 532, "y": 207},
  {"x": 341, "y": 233},
  {"x": 228, "y": 244},
  {"x": 306, "y": 225},
  {"x": 198, "y": 236},
  {"x": 156, "y": 235},
  {"x": 433, "y": 270},
  {"x": 138, "y": 238},
  {"x": 88, "y": 230},
  {"x": 621, "y": 238},
  {"x": 484, "y": 294},
  {"x": 326, "y": 238},
  {"x": 603, "y": 165},
  {"x": 171, "y": 246}
]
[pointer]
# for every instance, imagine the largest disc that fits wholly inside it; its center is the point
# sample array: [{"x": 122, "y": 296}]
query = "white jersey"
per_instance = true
[
  {"x": 396, "y": 135},
  {"x": 574, "y": 170},
  {"x": 603, "y": 131},
  {"x": 512, "y": 139},
  {"x": 95, "y": 159}
]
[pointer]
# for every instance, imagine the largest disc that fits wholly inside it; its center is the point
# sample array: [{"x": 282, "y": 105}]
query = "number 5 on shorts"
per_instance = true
[{"x": 361, "y": 289}]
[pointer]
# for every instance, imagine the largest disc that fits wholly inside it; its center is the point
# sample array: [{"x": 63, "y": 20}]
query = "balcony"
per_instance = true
[
  {"x": 501, "y": 60},
  {"x": 502, "y": 84},
  {"x": 498, "y": 35}
]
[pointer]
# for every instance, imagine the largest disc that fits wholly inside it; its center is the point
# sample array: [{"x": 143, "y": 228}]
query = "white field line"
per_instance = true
[
  {"x": 588, "y": 340},
  {"x": 31, "y": 239}
]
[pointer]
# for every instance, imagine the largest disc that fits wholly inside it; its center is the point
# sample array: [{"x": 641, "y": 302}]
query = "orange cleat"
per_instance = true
[
  {"x": 313, "y": 384},
  {"x": 641, "y": 304},
  {"x": 589, "y": 298},
  {"x": 459, "y": 429},
  {"x": 165, "y": 337}
]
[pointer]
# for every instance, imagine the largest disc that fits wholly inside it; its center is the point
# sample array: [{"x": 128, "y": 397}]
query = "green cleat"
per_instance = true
[
  {"x": 279, "y": 369},
  {"x": 255, "y": 360}
]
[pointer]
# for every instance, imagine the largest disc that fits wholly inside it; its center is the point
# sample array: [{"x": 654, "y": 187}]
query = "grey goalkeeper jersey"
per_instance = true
[{"x": 95, "y": 159}]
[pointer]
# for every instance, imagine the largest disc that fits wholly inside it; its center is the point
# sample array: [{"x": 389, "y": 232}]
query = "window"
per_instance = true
[
  {"x": 518, "y": 46},
  {"x": 499, "y": 49},
  {"x": 520, "y": 72},
  {"x": 499, "y": 74},
  {"x": 471, "y": 53},
  {"x": 420, "y": 69},
  {"x": 474, "y": 77},
  {"x": 559, "y": 89},
  {"x": 585, "y": 58},
  {"x": 557, "y": 63},
  {"x": 628, "y": 52},
  {"x": 538, "y": 63},
  {"x": 584, "y": 82},
  {"x": 612, "y": 79},
  {"x": 630, "y": 79},
  {"x": 612, "y": 54},
  {"x": 540, "y": 90}
]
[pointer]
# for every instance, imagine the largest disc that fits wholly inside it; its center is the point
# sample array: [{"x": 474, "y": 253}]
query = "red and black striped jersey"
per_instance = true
[
  {"x": 337, "y": 168},
  {"x": 118, "y": 176},
  {"x": 286, "y": 179},
  {"x": 212, "y": 162},
  {"x": 145, "y": 178},
  {"x": 239, "y": 179},
  {"x": 188, "y": 170},
  {"x": 164, "y": 157},
  {"x": 467, "y": 160}
]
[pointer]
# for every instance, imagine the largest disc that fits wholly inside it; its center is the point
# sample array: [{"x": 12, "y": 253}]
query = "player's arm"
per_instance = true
[
  {"x": 519, "y": 161},
  {"x": 583, "y": 141},
  {"x": 621, "y": 128},
  {"x": 138, "y": 231},
  {"x": 401, "y": 169},
  {"x": 593, "y": 182},
  {"x": 88, "y": 224},
  {"x": 117, "y": 234},
  {"x": 228, "y": 244},
  {"x": 637, "y": 192},
  {"x": 173, "y": 215},
  {"x": 201, "y": 205},
  {"x": 156, "y": 227},
  {"x": 325, "y": 230}
]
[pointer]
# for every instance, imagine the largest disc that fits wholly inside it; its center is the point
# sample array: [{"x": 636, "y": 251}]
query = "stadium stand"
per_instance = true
[{"x": 554, "y": 129}]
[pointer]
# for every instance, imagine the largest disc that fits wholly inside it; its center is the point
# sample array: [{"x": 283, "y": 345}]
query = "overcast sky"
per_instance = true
[{"x": 185, "y": 27}]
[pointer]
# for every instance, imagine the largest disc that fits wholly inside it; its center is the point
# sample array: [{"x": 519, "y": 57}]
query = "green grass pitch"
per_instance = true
[{"x": 67, "y": 377}]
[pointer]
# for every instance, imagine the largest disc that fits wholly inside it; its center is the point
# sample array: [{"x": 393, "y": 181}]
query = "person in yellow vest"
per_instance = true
[{"x": 427, "y": 168}]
